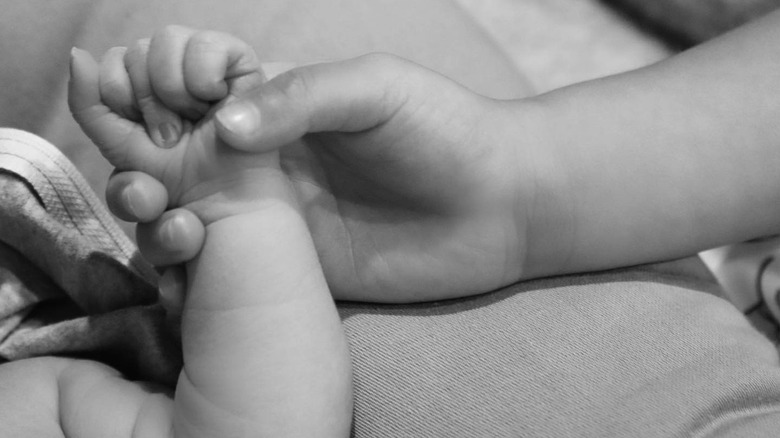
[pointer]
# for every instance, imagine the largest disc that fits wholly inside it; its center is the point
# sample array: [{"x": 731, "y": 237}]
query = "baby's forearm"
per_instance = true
[
  {"x": 666, "y": 160},
  {"x": 261, "y": 336}
]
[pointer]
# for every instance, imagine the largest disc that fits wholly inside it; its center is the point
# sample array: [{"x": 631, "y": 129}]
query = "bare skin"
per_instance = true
[
  {"x": 280, "y": 364},
  {"x": 713, "y": 137},
  {"x": 567, "y": 160},
  {"x": 281, "y": 30},
  {"x": 264, "y": 351}
]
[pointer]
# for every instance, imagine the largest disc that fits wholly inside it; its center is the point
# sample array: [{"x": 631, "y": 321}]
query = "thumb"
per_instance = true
[{"x": 345, "y": 96}]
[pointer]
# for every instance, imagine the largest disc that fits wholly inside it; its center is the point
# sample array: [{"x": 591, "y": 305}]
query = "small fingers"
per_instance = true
[
  {"x": 175, "y": 237},
  {"x": 167, "y": 51},
  {"x": 124, "y": 143},
  {"x": 163, "y": 125},
  {"x": 217, "y": 64},
  {"x": 193, "y": 69},
  {"x": 116, "y": 91},
  {"x": 136, "y": 196}
]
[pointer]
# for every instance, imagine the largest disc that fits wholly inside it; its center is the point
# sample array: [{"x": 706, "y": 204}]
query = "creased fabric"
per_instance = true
[
  {"x": 651, "y": 351},
  {"x": 72, "y": 282}
]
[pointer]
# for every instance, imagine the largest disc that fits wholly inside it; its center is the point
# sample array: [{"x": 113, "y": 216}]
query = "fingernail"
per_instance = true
[
  {"x": 241, "y": 118},
  {"x": 75, "y": 55},
  {"x": 170, "y": 134},
  {"x": 169, "y": 233},
  {"x": 170, "y": 287},
  {"x": 73, "y": 52},
  {"x": 129, "y": 195},
  {"x": 166, "y": 285}
]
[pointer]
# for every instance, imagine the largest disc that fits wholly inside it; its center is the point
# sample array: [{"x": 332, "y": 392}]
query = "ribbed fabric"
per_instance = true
[
  {"x": 651, "y": 351},
  {"x": 623, "y": 354}
]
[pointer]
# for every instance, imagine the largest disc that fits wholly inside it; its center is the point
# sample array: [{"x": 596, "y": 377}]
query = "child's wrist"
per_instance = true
[{"x": 544, "y": 208}]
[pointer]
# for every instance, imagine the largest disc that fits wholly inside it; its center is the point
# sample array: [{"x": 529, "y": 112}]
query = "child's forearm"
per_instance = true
[
  {"x": 667, "y": 160},
  {"x": 257, "y": 283}
]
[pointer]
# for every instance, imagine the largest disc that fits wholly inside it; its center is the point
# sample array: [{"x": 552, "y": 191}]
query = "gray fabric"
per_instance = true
[
  {"x": 629, "y": 353},
  {"x": 70, "y": 281},
  {"x": 651, "y": 351},
  {"x": 689, "y": 22}
]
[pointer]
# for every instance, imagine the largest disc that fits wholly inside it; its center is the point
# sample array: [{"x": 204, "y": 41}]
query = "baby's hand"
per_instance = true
[
  {"x": 414, "y": 188},
  {"x": 149, "y": 108},
  {"x": 263, "y": 348}
]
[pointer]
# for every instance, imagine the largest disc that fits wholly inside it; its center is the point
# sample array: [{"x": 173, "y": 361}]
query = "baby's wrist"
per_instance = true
[
  {"x": 271, "y": 244},
  {"x": 264, "y": 191}
]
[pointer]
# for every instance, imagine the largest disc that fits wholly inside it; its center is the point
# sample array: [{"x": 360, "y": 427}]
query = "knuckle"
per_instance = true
[
  {"x": 379, "y": 58},
  {"x": 174, "y": 95},
  {"x": 385, "y": 69},
  {"x": 295, "y": 84},
  {"x": 137, "y": 51},
  {"x": 288, "y": 91},
  {"x": 147, "y": 104},
  {"x": 165, "y": 91},
  {"x": 394, "y": 75},
  {"x": 134, "y": 58},
  {"x": 117, "y": 97},
  {"x": 114, "y": 52},
  {"x": 204, "y": 59},
  {"x": 113, "y": 89},
  {"x": 381, "y": 65},
  {"x": 167, "y": 87},
  {"x": 172, "y": 31},
  {"x": 206, "y": 38},
  {"x": 212, "y": 40}
]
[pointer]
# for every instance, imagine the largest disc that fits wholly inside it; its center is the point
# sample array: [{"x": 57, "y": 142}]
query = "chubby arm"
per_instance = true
[
  {"x": 261, "y": 361},
  {"x": 264, "y": 350},
  {"x": 664, "y": 161}
]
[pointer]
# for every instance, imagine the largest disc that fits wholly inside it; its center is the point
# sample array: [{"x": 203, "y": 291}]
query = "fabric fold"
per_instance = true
[{"x": 71, "y": 282}]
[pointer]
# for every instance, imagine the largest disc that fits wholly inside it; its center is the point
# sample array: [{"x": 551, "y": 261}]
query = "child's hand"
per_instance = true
[
  {"x": 414, "y": 187},
  {"x": 149, "y": 108}
]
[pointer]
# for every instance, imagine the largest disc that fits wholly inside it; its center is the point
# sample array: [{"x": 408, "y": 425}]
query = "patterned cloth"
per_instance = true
[{"x": 651, "y": 351}]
